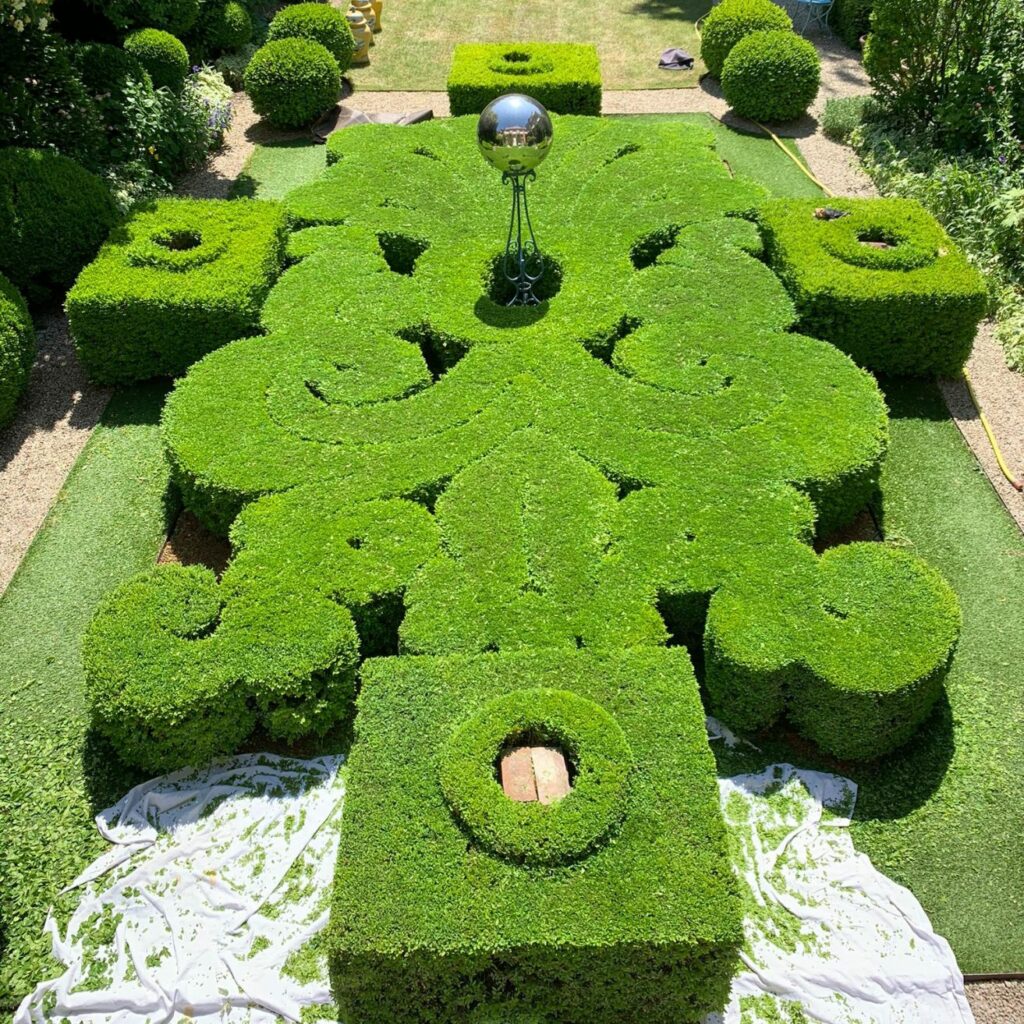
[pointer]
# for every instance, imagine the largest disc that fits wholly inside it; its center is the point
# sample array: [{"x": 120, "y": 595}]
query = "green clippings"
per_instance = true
[
  {"x": 260, "y": 943},
  {"x": 157, "y": 957},
  {"x": 309, "y": 962}
]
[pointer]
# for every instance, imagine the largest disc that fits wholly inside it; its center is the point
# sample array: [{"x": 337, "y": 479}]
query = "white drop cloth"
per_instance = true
[{"x": 218, "y": 877}]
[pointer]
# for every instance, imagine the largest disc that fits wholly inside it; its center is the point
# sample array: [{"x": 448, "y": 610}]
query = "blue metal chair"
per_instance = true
[{"x": 812, "y": 13}]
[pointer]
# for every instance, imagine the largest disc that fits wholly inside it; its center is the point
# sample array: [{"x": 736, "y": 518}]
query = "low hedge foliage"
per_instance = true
[
  {"x": 771, "y": 76},
  {"x": 391, "y": 369},
  {"x": 221, "y": 27},
  {"x": 320, "y": 23},
  {"x": 292, "y": 81},
  {"x": 54, "y": 215},
  {"x": 910, "y": 309},
  {"x": 164, "y": 56},
  {"x": 565, "y": 77},
  {"x": 17, "y": 348},
  {"x": 428, "y": 921},
  {"x": 730, "y": 21},
  {"x": 178, "y": 279}
]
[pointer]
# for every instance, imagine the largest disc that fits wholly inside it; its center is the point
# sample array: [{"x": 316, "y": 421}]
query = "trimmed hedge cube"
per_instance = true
[
  {"x": 565, "y": 77},
  {"x": 614, "y": 903},
  {"x": 884, "y": 282},
  {"x": 179, "y": 279}
]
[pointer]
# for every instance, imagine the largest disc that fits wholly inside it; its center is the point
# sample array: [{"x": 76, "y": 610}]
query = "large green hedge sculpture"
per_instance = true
[
  {"x": 605, "y": 470},
  {"x": 565, "y": 77},
  {"x": 884, "y": 282},
  {"x": 178, "y": 279},
  {"x": 429, "y": 916}
]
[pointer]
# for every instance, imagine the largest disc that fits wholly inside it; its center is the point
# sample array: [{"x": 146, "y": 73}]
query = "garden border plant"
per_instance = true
[
  {"x": 17, "y": 348},
  {"x": 564, "y": 77},
  {"x": 178, "y": 279}
]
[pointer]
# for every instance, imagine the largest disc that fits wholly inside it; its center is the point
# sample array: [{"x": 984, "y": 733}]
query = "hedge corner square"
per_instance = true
[
  {"x": 565, "y": 77},
  {"x": 178, "y": 279},
  {"x": 616, "y": 902},
  {"x": 879, "y": 279}
]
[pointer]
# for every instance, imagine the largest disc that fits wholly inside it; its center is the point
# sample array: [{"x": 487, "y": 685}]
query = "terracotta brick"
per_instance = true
[
  {"x": 551, "y": 774},
  {"x": 517, "y": 775}
]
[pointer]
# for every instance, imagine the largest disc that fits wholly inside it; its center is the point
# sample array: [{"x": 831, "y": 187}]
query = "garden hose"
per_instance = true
[{"x": 1014, "y": 481}]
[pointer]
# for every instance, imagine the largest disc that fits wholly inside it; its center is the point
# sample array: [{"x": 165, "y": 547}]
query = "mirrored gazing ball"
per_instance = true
[{"x": 514, "y": 133}]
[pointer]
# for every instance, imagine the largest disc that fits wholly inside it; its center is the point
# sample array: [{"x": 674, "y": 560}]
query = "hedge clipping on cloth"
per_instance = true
[
  {"x": 564, "y": 77},
  {"x": 563, "y": 450},
  {"x": 771, "y": 76},
  {"x": 884, "y": 283},
  {"x": 177, "y": 280},
  {"x": 429, "y": 920},
  {"x": 730, "y": 21},
  {"x": 17, "y": 348}
]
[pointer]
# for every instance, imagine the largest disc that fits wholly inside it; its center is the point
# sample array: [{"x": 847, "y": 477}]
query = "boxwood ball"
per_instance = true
[{"x": 514, "y": 133}]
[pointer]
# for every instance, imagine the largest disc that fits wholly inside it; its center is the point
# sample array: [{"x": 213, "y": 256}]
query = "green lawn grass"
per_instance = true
[
  {"x": 107, "y": 523},
  {"x": 414, "y": 50}
]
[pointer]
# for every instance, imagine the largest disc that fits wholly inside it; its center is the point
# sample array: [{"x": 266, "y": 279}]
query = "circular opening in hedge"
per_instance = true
[
  {"x": 515, "y": 62},
  {"x": 179, "y": 241},
  {"x": 516, "y": 57},
  {"x": 500, "y": 289},
  {"x": 877, "y": 239},
  {"x": 597, "y": 762},
  {"x": 535, "y": 766}
]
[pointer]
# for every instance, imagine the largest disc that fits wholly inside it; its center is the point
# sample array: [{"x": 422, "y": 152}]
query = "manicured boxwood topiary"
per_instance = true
[
  {"x": 564, "y": 450},
  {"x": 164, "y": 56},
  {"x": 638, "y": 914},
  {"x": 730, "y": 21},
  {"x": 54, "y": 215},
  {"x": 274, "y": 645},
  {"x": 771, "y": 76},
  {"x": 565, "y": 77},
  {"x": 912, "y": 308},
  {"x": 319, "y": 22},
  {"x": 292, "y": 81},
  {"x": 17, "y": 347},
  {"x": 179, "y": 278}
]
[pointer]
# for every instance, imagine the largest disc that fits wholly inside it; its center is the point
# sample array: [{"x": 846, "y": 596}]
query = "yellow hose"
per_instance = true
[{"x": 1015, "y": 483}]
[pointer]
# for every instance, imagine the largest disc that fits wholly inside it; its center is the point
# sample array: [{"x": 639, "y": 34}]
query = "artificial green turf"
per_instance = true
[
  {"x": 275, "y": 168},
  {"x": 107, "y": 524}
]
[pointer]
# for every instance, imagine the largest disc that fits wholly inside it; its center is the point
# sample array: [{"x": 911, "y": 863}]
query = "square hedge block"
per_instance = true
[
  {"x": 565, "y": 77},
  {"x": 883, "y": 282},
  {"x": 614, "y": 903},
  {"x": 180, "y": 278}
]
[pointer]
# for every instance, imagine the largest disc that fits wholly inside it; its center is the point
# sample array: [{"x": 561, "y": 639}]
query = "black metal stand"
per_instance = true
[{"x": 523, "y": 264}]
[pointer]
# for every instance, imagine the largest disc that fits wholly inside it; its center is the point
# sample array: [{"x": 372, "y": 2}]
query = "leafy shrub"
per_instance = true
[
  {"x": 17, "y": 347},
  {"x": 646, "y": 913},
  {"x": 771, "y": 76},
  {"x": 935, "y": 65},
  {"x": 843, "y": 114},
  {"x": 565, "y": 77},
  {"x": 319, "y": 22},
  {"x": 222, "y": 26},
  {"x": 176, "y": 280},
  {"x": 232, "y": 66},
  {"x": 732, "y": 20},
  {"x": 292, "y": 81},
  {"x": 175, "y": 16},
  {"x": 54, "y": 215},
  {"x": 439, "y": 392},
  {"x": 851, "y": 20},
  {"x": 161, "y": 54},
  {"x": 912, "y": 308}
]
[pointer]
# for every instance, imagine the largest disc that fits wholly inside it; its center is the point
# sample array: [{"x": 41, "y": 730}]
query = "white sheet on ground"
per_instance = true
[{"x": 211, "y": 899}]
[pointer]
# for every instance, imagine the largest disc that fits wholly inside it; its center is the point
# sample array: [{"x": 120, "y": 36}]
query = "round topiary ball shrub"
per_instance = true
[
  {"x": 291, "y": 81},
  {"x": 164, "y": 56},
  {"x": 17, "y": 346},
  {"x": 771, "y": 76},
  {"x": 54, "y": 215},
  {"x": 730, "y": 22},
  {"x": 322, "y": 23}
]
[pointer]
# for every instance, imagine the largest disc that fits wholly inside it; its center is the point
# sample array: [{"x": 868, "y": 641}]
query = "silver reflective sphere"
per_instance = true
[{"x": 514, "y": 133}]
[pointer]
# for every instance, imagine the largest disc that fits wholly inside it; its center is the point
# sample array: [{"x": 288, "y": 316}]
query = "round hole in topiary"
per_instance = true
[
  {"x": 535, "y": 767},
  {"x": 179, "y": 241},
  {"x": 516, "y": 57}
]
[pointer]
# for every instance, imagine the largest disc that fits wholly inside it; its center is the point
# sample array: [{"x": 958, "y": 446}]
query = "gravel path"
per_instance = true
[{"x": 61, "y": 406}]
